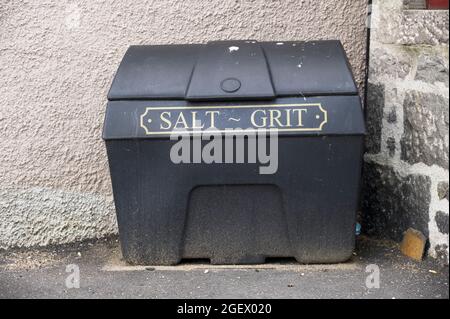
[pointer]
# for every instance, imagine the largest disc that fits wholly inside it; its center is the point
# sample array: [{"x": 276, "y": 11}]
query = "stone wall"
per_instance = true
[
  {"x": 406, "y": 177},
  {"x": 57, "y": 61}
]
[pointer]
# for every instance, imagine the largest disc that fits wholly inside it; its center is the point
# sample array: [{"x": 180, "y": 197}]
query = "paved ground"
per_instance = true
[{"x": 42, "y": 274}]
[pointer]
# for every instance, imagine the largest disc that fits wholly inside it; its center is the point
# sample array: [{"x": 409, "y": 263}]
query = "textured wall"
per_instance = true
[
  {"x": 406, "y": 171},
  {"x": 57, "y": 60}
]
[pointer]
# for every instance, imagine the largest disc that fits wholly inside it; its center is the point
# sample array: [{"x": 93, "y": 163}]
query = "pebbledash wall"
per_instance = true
[
  {"x": 406, "y": 166},
  {"x": 57, "y": 60}
]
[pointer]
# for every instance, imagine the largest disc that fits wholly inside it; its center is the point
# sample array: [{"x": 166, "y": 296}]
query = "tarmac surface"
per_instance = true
[{"x": 53, "y": 272}]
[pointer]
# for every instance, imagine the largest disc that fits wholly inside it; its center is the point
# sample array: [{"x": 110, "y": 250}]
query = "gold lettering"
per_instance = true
[
  {"x": 194, "y": 121},
  {"x": 300, "y": 116},
  {"x": 264, "y": 119},
  {"x": 165, "y": 120},
  {"x": 275, "y": 118},
  {"x": 181, "y": 120},
  {"x": 212, "y": 117},
  {"x": 288, "y": 118}
]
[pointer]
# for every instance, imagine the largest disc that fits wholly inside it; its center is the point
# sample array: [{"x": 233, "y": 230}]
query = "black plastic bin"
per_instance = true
[{"x": 230, "y": 213}]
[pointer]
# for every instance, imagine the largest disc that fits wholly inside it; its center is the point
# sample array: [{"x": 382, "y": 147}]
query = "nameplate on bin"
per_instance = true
[{"x": 248, "y": 118}]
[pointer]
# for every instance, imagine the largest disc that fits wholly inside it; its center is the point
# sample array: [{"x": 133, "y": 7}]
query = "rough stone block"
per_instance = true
[
  {"x": 432, "y": 67},
  {"x": 426, "y": 124},
  {"x": 442, "y": 253},
  {"x": 441, "y": 219},
  {"x": 393, "y": 203},
  {"x": 391, "y": 146},
  {"x": 374, "y": 111},
  {"x": 392, "y": 116},
  {"x": 409, "y": 27},
  {"x": 414, "y": 4},
  {"x": 443, "y": 190},
  {"x": 413, "y": 244},
  {"x": 392, "y": 62}
]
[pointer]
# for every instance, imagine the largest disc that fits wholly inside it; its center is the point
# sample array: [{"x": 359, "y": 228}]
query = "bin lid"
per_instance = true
[{"x": 233, "y": 70}]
